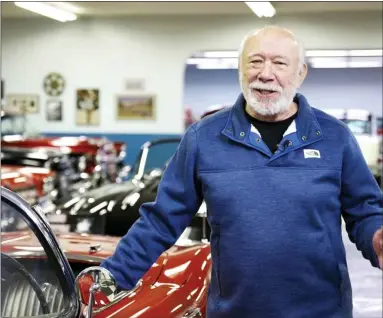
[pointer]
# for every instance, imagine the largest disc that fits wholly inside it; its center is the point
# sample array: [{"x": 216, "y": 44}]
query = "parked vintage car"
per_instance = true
[
  {"x": 113, "y": 208},
  {"x": 21, "y": 184},
  {"x": 363, "y": 125},
  {"x": 53, "y": 171},
  {"x": 44, "y": 275},
  {"x": 42, "y": 178},
  {"x": 379, "y": 125},
  {"x": 99, "y": 157}
]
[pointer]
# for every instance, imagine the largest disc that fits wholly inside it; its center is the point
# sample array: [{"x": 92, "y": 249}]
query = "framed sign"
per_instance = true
[
  {"x": 54, "y": 110},
  {"x": 135, "y": 107},
  {"x": 87, "y": 107},
  {"x": 22, "y": 103}
]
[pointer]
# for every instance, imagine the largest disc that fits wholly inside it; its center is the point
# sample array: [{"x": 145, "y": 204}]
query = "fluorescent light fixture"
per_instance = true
[
  {"x": 262, "y": 9},
  {"x": 332, "y": 53},
  {"x": 328, "y": 62},
  {"x": 224, "y": 63},
  {"x": 366, "y": 52},
  {"x": 365, "y": 64},
  {"x": 315, "y": 58},
  {"x": 47, "y": 10},
  {"x": 221, "y": 54},
  {"x": 206, "y": 66}
]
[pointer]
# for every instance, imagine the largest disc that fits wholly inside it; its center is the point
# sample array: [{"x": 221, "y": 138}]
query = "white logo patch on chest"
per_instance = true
[{"x": 311, "y": 153}]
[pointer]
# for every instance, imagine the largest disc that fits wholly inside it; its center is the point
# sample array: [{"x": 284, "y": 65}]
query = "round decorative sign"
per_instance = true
[{"x": 54, "y": 84}]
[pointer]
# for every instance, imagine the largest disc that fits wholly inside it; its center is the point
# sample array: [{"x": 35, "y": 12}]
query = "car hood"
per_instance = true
[
  {"x": 37, "y": 171},
  {"x": 102, "y": 199},
  {"x": 72, "y": 244}
]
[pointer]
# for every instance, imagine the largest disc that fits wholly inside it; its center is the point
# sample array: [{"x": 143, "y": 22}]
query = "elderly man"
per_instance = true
[{"x": 277, "y": 176}]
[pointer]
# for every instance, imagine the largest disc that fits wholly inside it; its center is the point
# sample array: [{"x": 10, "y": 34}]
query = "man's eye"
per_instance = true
[
  {"x": 280, "y": 63},
  {"x": 256, "y": 61}
]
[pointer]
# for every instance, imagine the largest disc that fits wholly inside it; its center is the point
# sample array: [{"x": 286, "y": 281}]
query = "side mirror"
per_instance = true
[{"x": 96, "y": 288}]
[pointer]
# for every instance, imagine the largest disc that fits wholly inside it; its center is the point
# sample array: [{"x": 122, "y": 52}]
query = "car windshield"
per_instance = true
[
  {"x": 157, "y": 156},
  {"x": 29, "y": 283},
  {"x": 12, "y": 125},
  {"x": 358, "y": 126},
  {"x": 379, "y": 122}
]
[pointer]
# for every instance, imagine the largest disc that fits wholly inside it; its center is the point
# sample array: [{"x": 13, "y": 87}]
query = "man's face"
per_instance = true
[{"x": 270, "y": 72}]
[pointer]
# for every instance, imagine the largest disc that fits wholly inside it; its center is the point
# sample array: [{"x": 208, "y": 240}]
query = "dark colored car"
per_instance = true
[
  {"x": 48, "y": 275},
  {"x": 113, "y": 208}
]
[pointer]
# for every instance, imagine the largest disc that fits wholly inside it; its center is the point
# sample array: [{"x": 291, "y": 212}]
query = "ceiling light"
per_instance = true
[
  {"x": 366, "y": 52},
  {"x": 47, "y": 10},
  {"x": 262, "y": 9},
  {"x": 312, "y": 53},
  {"x": 228, "y": 54},
  {"x": 364, "y": 64},
  {"x": 328, "y": 62}
]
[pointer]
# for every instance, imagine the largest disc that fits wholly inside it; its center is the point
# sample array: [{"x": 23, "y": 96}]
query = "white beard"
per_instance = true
[{"x": 269, "y": 108}]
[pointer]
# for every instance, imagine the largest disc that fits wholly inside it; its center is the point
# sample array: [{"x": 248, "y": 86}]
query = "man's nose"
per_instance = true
[{"x": 266, "y": 74}]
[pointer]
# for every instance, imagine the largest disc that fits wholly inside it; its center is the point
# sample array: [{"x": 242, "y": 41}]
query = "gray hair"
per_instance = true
[{"x": 302, "y": 52}]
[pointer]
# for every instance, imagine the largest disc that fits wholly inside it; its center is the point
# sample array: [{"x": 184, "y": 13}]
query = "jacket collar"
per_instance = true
[{"x": 238, "y": 126}]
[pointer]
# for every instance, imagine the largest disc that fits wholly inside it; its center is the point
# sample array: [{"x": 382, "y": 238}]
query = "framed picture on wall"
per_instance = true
[
  {"x": 87, "y": 107},
  {"x": 54, "y": 110},
  {"x": 22, "y": 103},
  {"x": 135, "y": 107}
]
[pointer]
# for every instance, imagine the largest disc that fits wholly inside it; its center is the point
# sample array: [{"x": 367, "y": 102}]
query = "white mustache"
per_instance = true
[{"x": 264, "y": 86}]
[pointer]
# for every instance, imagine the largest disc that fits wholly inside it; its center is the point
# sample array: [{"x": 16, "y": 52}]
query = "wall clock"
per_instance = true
[{"x": 54, "y": 84}]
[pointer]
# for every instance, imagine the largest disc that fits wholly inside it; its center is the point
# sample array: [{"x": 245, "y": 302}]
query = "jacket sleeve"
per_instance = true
[
  {"x": 362, "y": 200},
  {"x": 161, "y": 222}
]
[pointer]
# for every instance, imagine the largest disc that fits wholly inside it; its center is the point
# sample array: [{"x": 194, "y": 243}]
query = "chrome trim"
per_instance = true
[
  {"x": 139, "y": 167},
  {"x": 193, "y": 313},
  {"x": 38, "y": 223},
  {"x": 122, "y": 294},
  {"x": 68, "y": 255}
]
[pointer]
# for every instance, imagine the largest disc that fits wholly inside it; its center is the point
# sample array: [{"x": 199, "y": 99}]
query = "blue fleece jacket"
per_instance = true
[{"x": 276, "y": 239}]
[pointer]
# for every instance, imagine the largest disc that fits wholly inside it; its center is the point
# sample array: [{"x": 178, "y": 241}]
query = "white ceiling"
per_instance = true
[{"x": 104, "y": 9}]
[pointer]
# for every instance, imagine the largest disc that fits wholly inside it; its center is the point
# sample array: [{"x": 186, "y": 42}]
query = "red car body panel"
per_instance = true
[
  {"x": 79, "y": 144},
  {"x": 75, "y": 144},
  {"x": 21, "y": 183},
  {"x": 14, "y": 179},
  {"x": 35, "y": 174},
  {"x": 176, "y": 283}
]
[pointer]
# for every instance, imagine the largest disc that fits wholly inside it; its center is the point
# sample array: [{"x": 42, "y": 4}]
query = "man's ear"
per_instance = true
[{"x": 302, "y": 74}]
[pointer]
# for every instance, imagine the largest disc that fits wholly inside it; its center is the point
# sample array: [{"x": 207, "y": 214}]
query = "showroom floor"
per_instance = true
[{"x": 366, "y": 283}]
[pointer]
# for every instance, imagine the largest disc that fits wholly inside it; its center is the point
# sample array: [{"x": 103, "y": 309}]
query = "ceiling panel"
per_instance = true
[{"x": 196, "y": 8}]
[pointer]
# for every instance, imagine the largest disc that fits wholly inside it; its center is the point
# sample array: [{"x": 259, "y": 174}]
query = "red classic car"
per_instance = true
[
  {"x": 39, "y": 269},
  {"x": 97, "y": 156},
  {"x": 20, "y": 183},
  {"x": 41, "y": 177}
]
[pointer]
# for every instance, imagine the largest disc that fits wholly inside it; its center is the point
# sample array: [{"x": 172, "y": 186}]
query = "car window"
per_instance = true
[
  {"x": 359, "y": 126},
  {"x": 29, "y": 284},
  {"x": 159, "y": 155},
  {"x": 14, "y": 125}
]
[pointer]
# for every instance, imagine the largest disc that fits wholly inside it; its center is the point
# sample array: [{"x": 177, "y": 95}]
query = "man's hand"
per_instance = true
[
  {"x": 377, "y": 242},
  {"x": 84, "y": 308}
]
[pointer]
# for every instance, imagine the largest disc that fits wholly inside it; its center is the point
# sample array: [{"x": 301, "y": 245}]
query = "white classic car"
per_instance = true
[{"x": 363, "y": 125}]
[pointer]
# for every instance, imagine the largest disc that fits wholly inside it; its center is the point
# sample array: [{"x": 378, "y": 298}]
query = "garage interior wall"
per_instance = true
[
  {"x": 104, "y": 52},
  {"x": 348, "y": 88}
]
